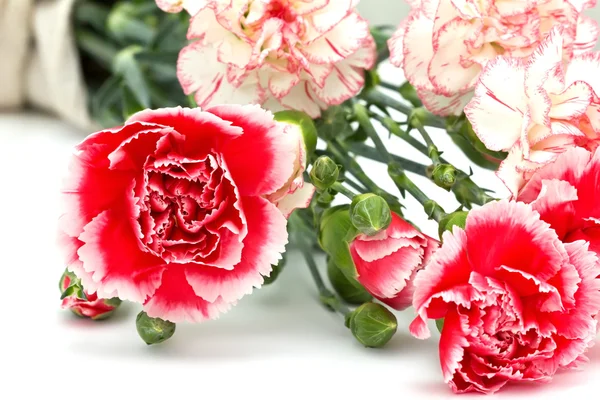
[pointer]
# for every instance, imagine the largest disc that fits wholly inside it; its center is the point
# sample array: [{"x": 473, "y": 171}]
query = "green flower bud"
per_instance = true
[
  {"x": 444, "y": 175},
  {"x": 153, "y": 330},
  {"x": 370, "y": 214},
  {"x": 458, "y": 218},
  {"x": 334, "y": 123},
  {"x": 306, "y": 125},
  {"x": 276, "y": 270},
  {"x": 325, "y": 172},
  {"x": 351, "y": 291},
  {"x": 372, "y": 324},
  {"x": 408, "y": 92}
]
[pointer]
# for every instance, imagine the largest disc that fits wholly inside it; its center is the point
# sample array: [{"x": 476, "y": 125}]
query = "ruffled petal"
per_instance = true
[
  {"x": 175, "y": 300},
  {"x": 262, "y": 159},
  {"x": 263, "y": 246},
  {"x": 497, "y": 109}
]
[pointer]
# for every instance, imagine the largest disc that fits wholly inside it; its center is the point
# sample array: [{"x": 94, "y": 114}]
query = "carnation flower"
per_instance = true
[
  {"x": 518, "y": 304},
  {"x": 444, "y": 45},
  {"x": 387, "y": 262},
  {"x": 173, "y": 209},
  {"x": 537, "y": 108},
  {"x": 283, "y": 54},
  {"x": 565, "y": 193}
]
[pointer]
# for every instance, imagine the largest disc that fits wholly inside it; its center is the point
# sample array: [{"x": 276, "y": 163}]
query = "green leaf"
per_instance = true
[
  {"x": 126, "y": 66},
  {"x": 130, "y": 103},
  {"x": 105, "y": 97}
]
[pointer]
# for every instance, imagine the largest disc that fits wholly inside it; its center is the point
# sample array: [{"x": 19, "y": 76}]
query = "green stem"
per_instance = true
[
  {"x": 362, "y": 116},
  {"x": 377, "y": 97},
  {"x": 388, "y": 85},
  {"x": 338, "y": 187},
  {"x": 381, "y": 99},
  {"x": 355, "y": 185},
  {"x": 340, "y": 151},
  {"x": 369, "y": 152},
  {"x": 432, "y": 150},
  {"x": 325, "y": 295}
]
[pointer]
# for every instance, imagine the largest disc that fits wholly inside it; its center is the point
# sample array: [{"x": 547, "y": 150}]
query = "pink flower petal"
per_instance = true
[
  {"x": 114, "y": 264},
  {"x": 511, "y": 234},
  {"x": 176, "y": 301},
  {"x": 266, "y": 240},
  {"x": 572, "y": 102},
  {"x": 340, "y": 42},
  {"x": 300, "y": 198},
  {"x": 262, "y": 159},
  {"x": 418, "y": 49}
]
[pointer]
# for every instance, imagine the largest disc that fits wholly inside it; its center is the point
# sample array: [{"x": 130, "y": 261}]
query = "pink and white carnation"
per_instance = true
[
  {"x": 444, "y": 45},
  {"x": 183, "y": 210},
  {"x": 536, "y": 108},
  {"x": 518, "y": 303},
  {"x": 282, "y": 54}
]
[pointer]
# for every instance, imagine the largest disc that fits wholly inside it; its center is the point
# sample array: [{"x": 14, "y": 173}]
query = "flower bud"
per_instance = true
[
  {"x": 325, "y": 172},
  {"x": 351, "y": 292},
  {"x": 370, "y": 214},
  {"x": 444, "y": 175},
  {"x": 153, "y": 330},
  {"x": 372, "y": 324},
  {"x": 84, "y": 304},
  {"x": 458, "y": 218},
  {"x": 306, "y": 125},
  {"x": 276, "y": 270}
]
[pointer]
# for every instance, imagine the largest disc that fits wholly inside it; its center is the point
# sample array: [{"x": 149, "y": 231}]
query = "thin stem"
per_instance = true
[
  {"x": 338, "y": 187},
  {"x": 363, "y": 150},
  {"x": 355, "y": 185},
  {"x": 340, "y": 151},
  {"x": 389, "y": 86},
  {"x": 383, "y": 100},
  {"x": 326, "y": 296},
  {"x": 362, "y": 116},
  {"x": 432, "y": 150}
]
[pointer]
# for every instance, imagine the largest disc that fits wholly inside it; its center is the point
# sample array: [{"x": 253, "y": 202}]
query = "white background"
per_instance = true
[{"x": 278, "y": 343}]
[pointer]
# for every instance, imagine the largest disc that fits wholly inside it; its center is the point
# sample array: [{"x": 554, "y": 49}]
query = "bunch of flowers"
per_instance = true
[{"x": 187, "y": 210}]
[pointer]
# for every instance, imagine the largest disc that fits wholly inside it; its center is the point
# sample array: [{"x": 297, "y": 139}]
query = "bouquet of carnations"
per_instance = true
[{"x": 187, "y": 210}]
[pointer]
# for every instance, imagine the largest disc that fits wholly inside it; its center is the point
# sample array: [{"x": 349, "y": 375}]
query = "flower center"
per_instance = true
[{"x": 179, "y": 210}]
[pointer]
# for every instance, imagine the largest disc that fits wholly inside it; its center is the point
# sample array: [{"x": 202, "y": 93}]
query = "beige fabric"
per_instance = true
[
  {"x": 14, "y": 38},
  {"x": 54, "y": 77}
]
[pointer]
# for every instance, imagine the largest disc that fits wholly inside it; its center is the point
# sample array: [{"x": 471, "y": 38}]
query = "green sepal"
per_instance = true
[
  {"x": 350, "y": 291},
  {"x": 439, "y": 323},
  {"x": 336, "y": 232},
  {"x": 305, "y": 124}
]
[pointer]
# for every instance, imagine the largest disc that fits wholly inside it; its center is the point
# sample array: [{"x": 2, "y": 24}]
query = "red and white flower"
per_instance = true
[
  {"x": 565, "y": 193},
  {"x": 444, "y": 45},
  {"x": 172, "y": 210},
  {"x": 283, "y": 54},
  {"x": 537, "y": 108},
  {"x": 518, "y": 304},
  {"x": 387, "y": 263},
  {"x": 92, "y": 307}
]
